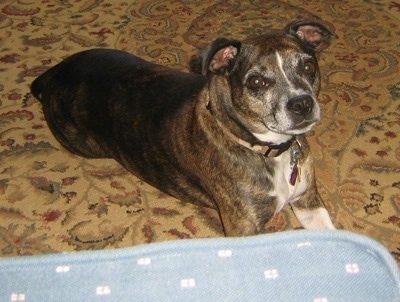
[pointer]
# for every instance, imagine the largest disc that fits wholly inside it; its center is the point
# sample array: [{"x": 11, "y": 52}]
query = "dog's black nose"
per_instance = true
[{"x": 301, "y": 105}]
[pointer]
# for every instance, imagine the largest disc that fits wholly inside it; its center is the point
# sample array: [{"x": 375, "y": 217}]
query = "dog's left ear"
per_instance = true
[
  {"x": 314, "y": 34},
  {"x": 217, "y": 57}
]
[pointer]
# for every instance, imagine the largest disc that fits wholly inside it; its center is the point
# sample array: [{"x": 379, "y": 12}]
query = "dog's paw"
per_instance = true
[{"x": 314, "y": 219}]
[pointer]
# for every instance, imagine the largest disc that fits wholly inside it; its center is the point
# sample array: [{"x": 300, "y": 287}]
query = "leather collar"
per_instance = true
[{"x": 267, "y": 150}]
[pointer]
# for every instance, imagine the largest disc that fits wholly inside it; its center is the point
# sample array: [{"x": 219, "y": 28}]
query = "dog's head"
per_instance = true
[{"x": 271, "y": 81}]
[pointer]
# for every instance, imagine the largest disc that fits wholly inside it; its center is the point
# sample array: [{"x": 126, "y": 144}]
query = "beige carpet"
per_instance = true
[{"x": 53, "y": 201}]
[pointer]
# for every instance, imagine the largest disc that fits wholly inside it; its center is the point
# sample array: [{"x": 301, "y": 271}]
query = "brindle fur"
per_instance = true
[{"x": 161, "y": 124}]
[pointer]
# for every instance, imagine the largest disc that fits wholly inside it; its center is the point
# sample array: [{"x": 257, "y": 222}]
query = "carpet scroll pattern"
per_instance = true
[{"x": 52, "y": 201}]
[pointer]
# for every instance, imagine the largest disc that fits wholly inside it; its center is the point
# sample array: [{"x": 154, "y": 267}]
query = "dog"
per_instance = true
[{"x": 231, "y": 137}]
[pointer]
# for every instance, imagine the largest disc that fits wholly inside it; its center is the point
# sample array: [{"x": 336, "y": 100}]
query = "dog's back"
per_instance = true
[{"x": 102, "y": 82}]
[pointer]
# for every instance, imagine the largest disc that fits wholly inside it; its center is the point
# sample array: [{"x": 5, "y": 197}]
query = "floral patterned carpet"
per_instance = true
[{"x": 52, "y": 201}]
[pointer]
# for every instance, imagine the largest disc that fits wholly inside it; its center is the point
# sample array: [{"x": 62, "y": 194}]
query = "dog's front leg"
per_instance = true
[
  {"x": 311, "y": 212},
  {"x": 245, "y": 218}
]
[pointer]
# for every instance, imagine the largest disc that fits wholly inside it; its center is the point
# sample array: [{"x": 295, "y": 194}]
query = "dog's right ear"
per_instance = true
[
  {"x": 217, "y": 57},
  {"x": 313, "y": 33}
]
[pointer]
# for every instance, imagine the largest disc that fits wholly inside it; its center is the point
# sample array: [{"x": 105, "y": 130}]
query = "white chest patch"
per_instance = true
[{"x": 284, "y": 191}]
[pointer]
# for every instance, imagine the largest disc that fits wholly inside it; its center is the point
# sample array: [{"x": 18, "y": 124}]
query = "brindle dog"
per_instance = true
[{"x": 231, "y": 138}]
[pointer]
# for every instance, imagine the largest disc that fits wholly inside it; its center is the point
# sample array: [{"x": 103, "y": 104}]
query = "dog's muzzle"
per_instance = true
[{"x": 301, "y": 108}]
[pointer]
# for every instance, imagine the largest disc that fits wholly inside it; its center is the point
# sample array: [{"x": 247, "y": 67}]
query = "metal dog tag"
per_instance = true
[{"x": 295, "y": 157}]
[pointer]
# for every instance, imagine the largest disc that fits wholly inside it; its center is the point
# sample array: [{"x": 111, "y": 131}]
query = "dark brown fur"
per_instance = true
[{"x": 161, "y": 125}]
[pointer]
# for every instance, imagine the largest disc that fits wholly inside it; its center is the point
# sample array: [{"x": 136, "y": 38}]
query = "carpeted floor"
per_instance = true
[{"x": 52, "y": 201}]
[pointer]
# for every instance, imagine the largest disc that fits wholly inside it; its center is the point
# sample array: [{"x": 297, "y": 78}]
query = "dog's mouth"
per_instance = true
[
  {"x": 275, "y": 134},
  {"x": 289, "y": 123},
  {"x": 304, "y": 126},
  {"x": 295, "y": 118}
]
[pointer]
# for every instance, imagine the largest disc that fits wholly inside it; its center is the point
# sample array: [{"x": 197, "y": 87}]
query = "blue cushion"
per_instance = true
[{"x": 314, "y": 266}]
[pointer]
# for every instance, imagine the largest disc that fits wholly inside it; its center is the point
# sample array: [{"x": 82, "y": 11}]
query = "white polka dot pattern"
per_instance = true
[
  {"x": 17, "y": 297},
  {"x": 188, "y": 283},
  {"x": 103, "y": 290},
  {"x": 271, "y": 274},
  {"x": 314, "y": 266}
]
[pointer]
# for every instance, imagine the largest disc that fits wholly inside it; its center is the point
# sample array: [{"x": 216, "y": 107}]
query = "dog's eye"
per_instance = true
[
  {"x": 309, "y": 68},
  {"x": 256, "y": 82}
]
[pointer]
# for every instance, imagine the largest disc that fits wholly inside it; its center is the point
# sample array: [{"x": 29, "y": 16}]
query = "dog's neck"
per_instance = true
[{"x": 267, "y": 150}]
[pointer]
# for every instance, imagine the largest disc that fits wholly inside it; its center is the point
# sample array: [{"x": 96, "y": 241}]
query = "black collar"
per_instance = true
[
  {"x": 276, "y": 150},
  {"x": 267, "y": 150}
]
